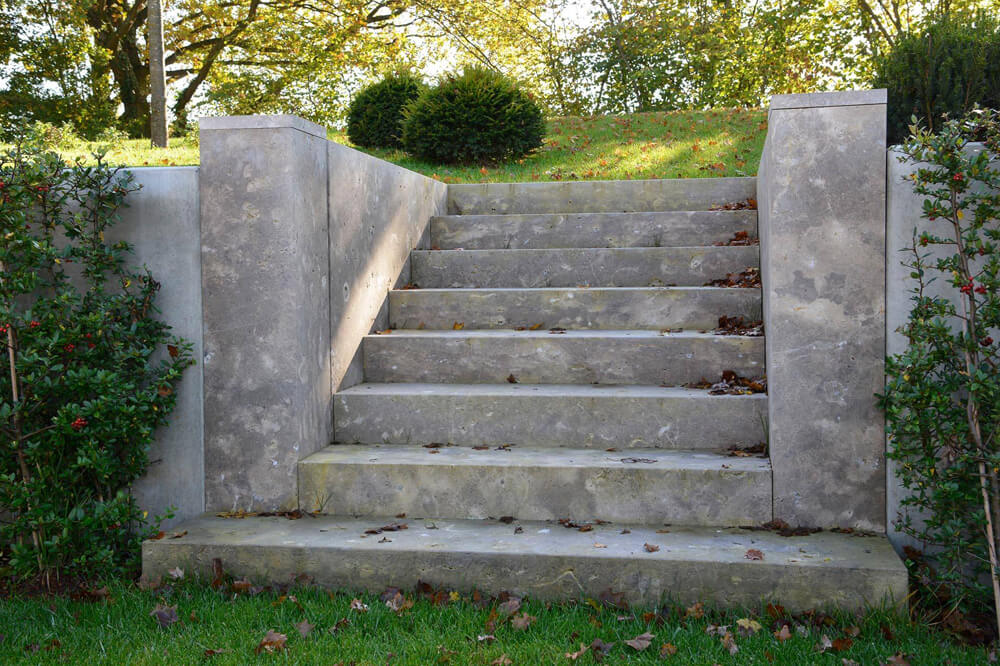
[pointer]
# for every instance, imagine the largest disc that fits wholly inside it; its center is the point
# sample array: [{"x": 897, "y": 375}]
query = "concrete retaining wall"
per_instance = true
[
  {"x": 821, "y": 197},
  {"x": 163, "y": 225}
]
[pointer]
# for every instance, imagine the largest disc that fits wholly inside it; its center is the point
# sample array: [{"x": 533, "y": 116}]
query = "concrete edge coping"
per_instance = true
[
  {"x": 820, "y": 99},
  {"x": 283, "y": 121}
]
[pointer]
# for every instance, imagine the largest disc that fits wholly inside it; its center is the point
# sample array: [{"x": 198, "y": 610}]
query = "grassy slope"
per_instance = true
[
  {"x": 121, "y": 631},
  {"x": 679, "y": 144}
]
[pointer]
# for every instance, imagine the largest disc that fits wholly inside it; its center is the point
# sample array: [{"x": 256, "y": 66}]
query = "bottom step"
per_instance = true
[{"x": 544, "y": 560}]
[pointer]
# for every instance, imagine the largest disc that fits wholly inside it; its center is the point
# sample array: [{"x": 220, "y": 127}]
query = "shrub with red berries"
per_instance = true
[
  {"x": 81, "y": 393},
  {"x": 942, "y": 396}
]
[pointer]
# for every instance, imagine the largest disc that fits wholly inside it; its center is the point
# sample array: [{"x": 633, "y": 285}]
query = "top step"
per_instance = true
[{"x": 603, "y": 196}]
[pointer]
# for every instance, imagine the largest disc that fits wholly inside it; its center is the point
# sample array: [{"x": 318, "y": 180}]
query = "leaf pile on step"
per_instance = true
[
  {"x": 755, "y": 451},
  {"x": 294, "y": 514},
  {"x": 746, "y": 279},
  {"x": 732, "y": 384},
  {"x": 739, "y": 326},
  {"x": 781, "y": 528},
  {"x": 739, "y": 239},
  {"x": 747, "y": 204}
]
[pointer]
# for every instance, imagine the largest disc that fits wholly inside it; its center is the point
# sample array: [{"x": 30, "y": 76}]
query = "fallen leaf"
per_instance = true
[
  {"x": 211, "y": 652},
  {"x": 511, "y": 379},
  {"x": 217, "y": 573},
  {"x": 241, "y": 586},
  {"x": 485, "y": 638},
  {"x": 358, "y": 606},
  {"x": 650, "y": 548},
  {"x": 272, "y": 642},
  {"x": 695, "y": 612},
  {"x": 176, "y": 573},
  {"x": 342, "y": 623},
  {"x": 729, "y": 643},
  {"x": 502, "y": 660},
  {"x": 898, "y": 659},
  {"x": 573, "y": 656},
  {"x": 305, "y": 628},
  {"x": 824, "y": 644},
  {"x": 748, "y": 627},
  {"x": 754, "y": 554},
  {"x": 783, "y": 634},
  {"x": 522, "y": 621},
  {"x": 842, "y": 644},
  {"x": 600, "y": 545},
  {"x": 165, "y": 615},
  {"x": 668, "y": 650},
  {"x": 640, "y": 642},
  {"x": 852, "y": 631},
  {"x": 178, "y": 535},
  {"x": 458, "y": 326},
  {"x": 510, "y": 606}
]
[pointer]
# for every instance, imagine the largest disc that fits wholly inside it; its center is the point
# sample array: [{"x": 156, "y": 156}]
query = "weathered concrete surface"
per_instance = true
[
  {"x": 545, "y": 561},
  {"x": 644, "y": 486},
  {"x": 822, "y": 226},
  {"x": 828, "y": 99},
  {"x": 571, "y": 357},
  {"x": 265, "y": 264},
  {"x": 653, "y": 308},
  {"x": 606, "y": 196},
  {"x": 525, "y": 232},
  {"x": 162, "y": 224},
  {"x": 548, "y": 415},
  {"x": 378, "y": 213},
  {"x": 574, "y": 267}
]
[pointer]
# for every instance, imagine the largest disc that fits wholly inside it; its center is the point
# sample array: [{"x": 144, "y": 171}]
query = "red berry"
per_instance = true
[
  {"x": 79, "y": 424},
  {"x": 69, "y": 347},
  {"x": 34, "y": 324},
  {"x": 981, "y": 289},
  {"x": 986, "y": 342}
]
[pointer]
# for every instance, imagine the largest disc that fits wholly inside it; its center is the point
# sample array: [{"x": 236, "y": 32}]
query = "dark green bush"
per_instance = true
[
  {"x": 375, "y": 116},
  {"x": 478, "y": 116},
  {"x": 947, "y": 68},
  {"x": 88, "y": 370}
]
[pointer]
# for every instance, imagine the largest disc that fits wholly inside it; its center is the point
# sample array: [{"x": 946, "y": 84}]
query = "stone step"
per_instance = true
[
  {"x": 547, "y": 357},
  {"x": 543, "y": 560},
  {"x": 576, "y": 267},
  {"x": 644, "y": 486},
  {"x": 552, "y": 230},
  {"x": 540, "y": 415},
  {"x": 650, "y": 308},
  {"x": 608, "y": 196}
]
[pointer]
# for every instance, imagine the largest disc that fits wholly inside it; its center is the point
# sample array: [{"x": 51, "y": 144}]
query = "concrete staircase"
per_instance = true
[{"x": 526, "y": 417}]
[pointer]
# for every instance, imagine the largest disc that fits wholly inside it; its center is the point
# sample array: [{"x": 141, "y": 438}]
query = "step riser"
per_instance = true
[
  {"x": 706, "y": 565},
  {"x": 680, "y": 228},
  {"x": 706, "y": 423},
  {"x": 559, "y": 359},
  {"x": 621, "y": 196},
  {"x": 627, "y": 267},
  {"x": 620, "y": 309},
  {"x": 619, "y": 493}
]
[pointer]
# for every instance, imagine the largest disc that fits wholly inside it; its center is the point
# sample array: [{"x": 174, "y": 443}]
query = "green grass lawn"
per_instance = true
[
  {"x": 678, "y": 144},
  {"x": 121, "y": 630}
]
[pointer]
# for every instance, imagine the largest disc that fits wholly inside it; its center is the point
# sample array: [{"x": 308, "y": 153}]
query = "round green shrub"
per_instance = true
[
  {"x": 945, "y": 69},
  {"x": 478, "y": 116},
  {"x": 376, "y": 113}
]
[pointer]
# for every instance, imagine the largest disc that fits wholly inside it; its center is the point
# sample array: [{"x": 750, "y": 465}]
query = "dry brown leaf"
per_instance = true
[
  {"x": 668, "y": 650},
  {"x": 272, "y": 642},
  {"x": 754, "y": 554},
  {"x": 165, "y": 615},
  {"x": 650, "y": 548},
  {"x": 522, "y": 621},
  {"x": 640, "y": 642},
  {"x": 359, "y": 606},
  {"x": 305, "y": 628},
  {"x": 783, "y": 634}
]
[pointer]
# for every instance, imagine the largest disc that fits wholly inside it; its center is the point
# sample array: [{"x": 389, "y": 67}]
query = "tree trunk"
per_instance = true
[{"x": 157, "y": 76}]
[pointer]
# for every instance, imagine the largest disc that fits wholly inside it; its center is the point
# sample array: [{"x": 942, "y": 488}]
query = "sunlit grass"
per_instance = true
[{"x": 677, "y": 144}]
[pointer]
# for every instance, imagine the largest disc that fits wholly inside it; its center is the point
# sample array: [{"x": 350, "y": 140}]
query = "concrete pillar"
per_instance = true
[
  {"x": 821, "y": 197},
  {"x": 266, "y": 306}
]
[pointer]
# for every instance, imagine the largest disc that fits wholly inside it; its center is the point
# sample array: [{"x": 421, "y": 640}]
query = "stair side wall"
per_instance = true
[{"x": 821, "y": 193}]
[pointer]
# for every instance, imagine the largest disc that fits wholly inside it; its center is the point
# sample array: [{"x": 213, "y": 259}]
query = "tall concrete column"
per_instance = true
[
  {"x": 266, "y": 306},
  {"x": 821, "y": 198}
]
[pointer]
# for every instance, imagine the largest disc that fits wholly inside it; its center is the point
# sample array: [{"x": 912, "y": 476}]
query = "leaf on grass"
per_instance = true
[
  {"x": 211, "y": 652},
  {"x": 511, "y": 606},
  {"x": 342, "y": 623},
  {"x": 695, "y": 612},
  {"x": 522, "y": 621},
  {"x": 165, "y": 615},
  {"x": 748, "y": 627},
  {"x": 783, "y": 634},
  {"x": 668, "y": 650},
  {"x": 272, "y": 642},
  {"x": 729, "y": 643},
  {"x": 241, "y": 586},
  {"x": 359, "y": 606},
  {"x": 305, "y": 628},
  {"x": 573, "y": 656},
  {"x": 852, "y": 631},
  {"x": 824, "y": 644},
  {"x": 485, "y": 638},
  {"x": 502, "y": 660},
  {"x": 176, "y": 573},
  {"x": 898, "y": 659},
  {"x": 217, "y": 573},
  {"x": 640, "y": 642},
  {"x": 842, "y": 644}
]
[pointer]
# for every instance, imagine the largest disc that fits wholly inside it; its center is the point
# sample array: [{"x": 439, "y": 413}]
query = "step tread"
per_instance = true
[
  {"x": 525, "y": 456},
  {"x": 541, "y": 390},
  {"x": 568, "y": 334},
  {"x": 544, "y": 560}
]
